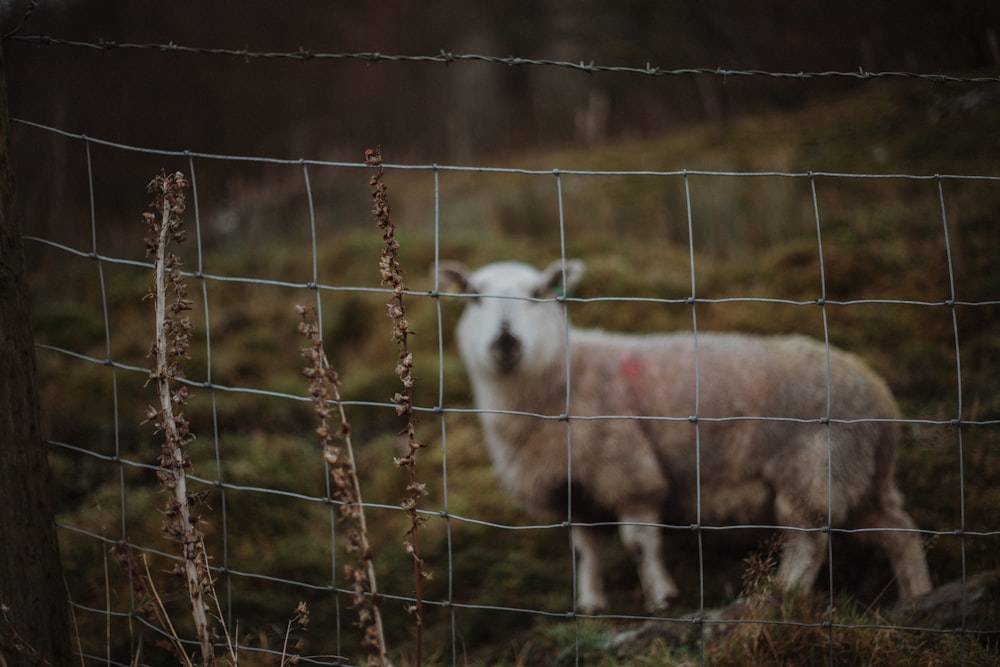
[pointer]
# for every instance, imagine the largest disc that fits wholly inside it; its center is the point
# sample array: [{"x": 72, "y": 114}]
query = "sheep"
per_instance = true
[{"x": 703, "y": 403}]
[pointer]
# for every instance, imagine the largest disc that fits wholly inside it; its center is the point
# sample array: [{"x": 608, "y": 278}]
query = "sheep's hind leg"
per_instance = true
[
  {"x": 644, "y": 542},
  {"x": 802, "y": 556},
  {"x": 903, "y": 545},
  {"x": 803, "y": 551},
  {"x": 590, "y": 595}
]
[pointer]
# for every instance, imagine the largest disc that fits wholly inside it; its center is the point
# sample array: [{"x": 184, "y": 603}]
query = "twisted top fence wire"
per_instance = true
[
  {"x": 315, "y": 288},
  {"x": 446, "y": 57}
]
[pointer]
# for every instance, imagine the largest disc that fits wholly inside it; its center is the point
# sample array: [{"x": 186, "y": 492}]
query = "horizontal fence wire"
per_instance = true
[
  {"x": 448, "y": 57},
  {"x": 228, "y": 575},
  {"x": 504, "y": 170}
]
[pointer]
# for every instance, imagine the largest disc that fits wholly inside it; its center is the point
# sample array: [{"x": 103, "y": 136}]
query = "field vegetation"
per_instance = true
[{"x": 754, "y": 237}]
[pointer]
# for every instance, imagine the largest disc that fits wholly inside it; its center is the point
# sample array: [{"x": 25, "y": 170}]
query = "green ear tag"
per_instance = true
[{"x": 560, "y": 291}]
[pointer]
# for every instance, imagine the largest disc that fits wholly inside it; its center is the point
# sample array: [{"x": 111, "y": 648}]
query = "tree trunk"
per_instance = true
[{"x": 34, "y": 620}]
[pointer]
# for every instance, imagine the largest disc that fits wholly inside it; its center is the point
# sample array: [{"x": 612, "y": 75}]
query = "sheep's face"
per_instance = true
[{"x": 513, "y": 322}]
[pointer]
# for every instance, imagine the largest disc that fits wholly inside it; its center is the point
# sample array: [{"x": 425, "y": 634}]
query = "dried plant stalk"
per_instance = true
[
  {"x": 392, "y": 275},
  {"x": 324, "y": 388},
  {"x": 299, "y": 621},
  {"x": 173, "y": 332},
  {"x": 147, "y": 599}
]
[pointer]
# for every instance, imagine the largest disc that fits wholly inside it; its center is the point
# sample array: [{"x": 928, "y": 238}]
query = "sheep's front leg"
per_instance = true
[
  {"x": 645, "y": 544},
  {"x": 590, "y": 587}
]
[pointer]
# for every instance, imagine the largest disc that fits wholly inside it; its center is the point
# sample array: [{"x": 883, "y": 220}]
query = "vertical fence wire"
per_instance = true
[
  {"x": 561, "y": 298},
  {"x": 327, "y": 480},
  {"x": 449, "y": 602},
  {"x": 959, "y": 413},
  {"x": 118, "y": 455},
  {"x": 209, "y": 386},
  {"x": 827, "y": 529},
  {"x": 699, "y": 533}
]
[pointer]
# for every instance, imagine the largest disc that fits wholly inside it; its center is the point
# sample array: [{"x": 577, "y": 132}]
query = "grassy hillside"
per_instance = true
[{"x": 753, "y": 237}]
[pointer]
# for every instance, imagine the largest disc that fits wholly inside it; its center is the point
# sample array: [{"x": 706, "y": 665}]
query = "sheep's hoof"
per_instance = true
[
  {"x": 661, "y": 605},
  {"x": 664, "y": 601},
  {"x": 594, "y": 606}
]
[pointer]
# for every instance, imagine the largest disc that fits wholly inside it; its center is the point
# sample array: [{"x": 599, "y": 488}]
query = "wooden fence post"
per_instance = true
[{"x": 34, "y": 619}]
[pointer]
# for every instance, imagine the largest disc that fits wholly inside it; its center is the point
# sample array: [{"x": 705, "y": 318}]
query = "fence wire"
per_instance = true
[
  {"x": 232, "y": 577},
  {"x": 448, "y": 57}
]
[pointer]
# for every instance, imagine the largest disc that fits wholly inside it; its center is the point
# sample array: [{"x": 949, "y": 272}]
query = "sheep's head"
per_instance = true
[{"x": 513, "y": 320}]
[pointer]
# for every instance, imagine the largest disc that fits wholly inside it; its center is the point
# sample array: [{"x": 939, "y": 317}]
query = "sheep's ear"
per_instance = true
[
  {"x": 452, "y": 274},
  {"x": 552, "y": 281}
]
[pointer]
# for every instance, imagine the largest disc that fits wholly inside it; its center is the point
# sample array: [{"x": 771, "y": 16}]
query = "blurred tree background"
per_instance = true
[{"x": 465, "y": 112}]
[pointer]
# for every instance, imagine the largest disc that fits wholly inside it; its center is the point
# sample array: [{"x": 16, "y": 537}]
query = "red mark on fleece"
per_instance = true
[{"x": 630, "y": 368}]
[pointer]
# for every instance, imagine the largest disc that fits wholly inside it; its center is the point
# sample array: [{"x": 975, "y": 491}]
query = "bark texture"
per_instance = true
[{"x": 34, "y": 623}]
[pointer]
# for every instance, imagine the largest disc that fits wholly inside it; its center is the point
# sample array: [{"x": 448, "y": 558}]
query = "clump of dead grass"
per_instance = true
[{"x": 824, "y": 630}]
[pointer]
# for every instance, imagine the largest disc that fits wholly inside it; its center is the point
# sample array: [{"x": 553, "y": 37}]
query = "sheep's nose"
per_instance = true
[{"x": 506, "y": 350}]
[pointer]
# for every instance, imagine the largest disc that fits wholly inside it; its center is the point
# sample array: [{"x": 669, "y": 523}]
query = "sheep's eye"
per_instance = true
[{"x": 472, "y": 294}]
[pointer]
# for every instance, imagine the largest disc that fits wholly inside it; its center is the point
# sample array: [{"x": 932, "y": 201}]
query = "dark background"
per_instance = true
[{"x": 465, "y": 111}]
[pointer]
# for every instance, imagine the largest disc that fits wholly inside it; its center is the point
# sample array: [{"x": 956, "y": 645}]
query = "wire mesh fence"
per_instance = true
[{"x": 690, "y": 249}]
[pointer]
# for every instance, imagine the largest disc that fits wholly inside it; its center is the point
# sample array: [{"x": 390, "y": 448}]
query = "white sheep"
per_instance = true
[{"x": 745, "y": 414}]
